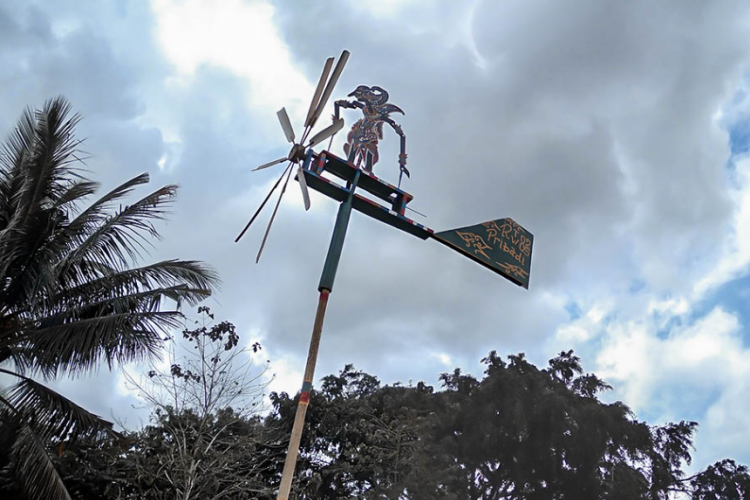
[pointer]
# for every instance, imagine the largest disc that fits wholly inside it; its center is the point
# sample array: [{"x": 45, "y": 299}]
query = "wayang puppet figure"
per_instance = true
[{"x": 362, "y": 141}]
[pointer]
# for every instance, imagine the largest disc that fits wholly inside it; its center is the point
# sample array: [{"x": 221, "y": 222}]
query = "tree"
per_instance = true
[
  {"x": 526, "y": 433},
  {"x": 70, "y": 296},
  {"x": 518, "y": 433},
  {"x": 724, "y": 480},
  {"x": 359, "y": 439},
  {"x": 205, "y": 406},
  {"x": 205, "y": 441}
]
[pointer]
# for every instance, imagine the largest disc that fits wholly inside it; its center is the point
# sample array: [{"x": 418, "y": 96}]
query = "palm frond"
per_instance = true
[
  {"x": 77, "y": 346},
  {"x": 68, "y": 298},
  {"x": 120, "y": 293},
  {"x": 147, "y": 300},
  {"x": 52, "y": 415},
  {"x": 75, "y": 192},
  {"x": 96, "y": 213},
  {"x": 19, "y": 143},
  {"x": 37, "y": 174},
  {"x": 21, "y": 356},
  {"x": 54, "y": 150},
  {"x": 29, "y": 465},
  {"x": 120, "y": 238},
  {"x": 70, "y": 235},
  {"x": 151, "y": 300},
  {"x": 97, "y": 281},
  {"x": 15, "y": 152}
]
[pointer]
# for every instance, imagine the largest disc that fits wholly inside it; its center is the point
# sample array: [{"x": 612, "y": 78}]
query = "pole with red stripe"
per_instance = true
[{"x": 325, "y": 287}]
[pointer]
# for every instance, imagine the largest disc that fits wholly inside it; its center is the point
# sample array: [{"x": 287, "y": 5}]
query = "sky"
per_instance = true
[{"x": 616, "y": 132}]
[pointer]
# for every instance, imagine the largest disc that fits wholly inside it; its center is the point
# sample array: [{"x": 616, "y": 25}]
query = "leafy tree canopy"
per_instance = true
[{"x": 519, "y": 432}]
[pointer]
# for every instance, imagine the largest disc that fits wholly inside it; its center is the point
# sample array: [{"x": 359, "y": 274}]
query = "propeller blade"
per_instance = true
[
  {"x": 326, "y": 133},
  {"x": 273, "y": 215},
  {"x": 255, "y": 215},
  {"x": 303, "y": 186},
  {"x": 286, "y": 125},
  {"x": 319, "y": 90},
  {"x": 271, "y": 163},
  {"x": 329, "y": 88}
]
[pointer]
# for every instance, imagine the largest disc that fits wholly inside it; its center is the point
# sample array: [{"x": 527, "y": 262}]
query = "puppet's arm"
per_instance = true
[
  {"x": 401, "y": 157},
  {"x": 343, "y": 103}
]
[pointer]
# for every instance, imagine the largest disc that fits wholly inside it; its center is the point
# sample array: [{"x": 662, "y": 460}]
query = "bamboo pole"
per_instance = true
[
  {"x": 324, "y": 287},
  {"x": 304, "y": 399}
]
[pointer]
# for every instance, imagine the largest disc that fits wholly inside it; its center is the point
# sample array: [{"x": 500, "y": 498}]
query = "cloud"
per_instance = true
[
  {"x": 694, "y": 372},
  {"x": 199, "y": 32},
  {"x": 601, "y": 128},
  {"x": 733, "y": 253},
  {"x": 680, "y": 356}
]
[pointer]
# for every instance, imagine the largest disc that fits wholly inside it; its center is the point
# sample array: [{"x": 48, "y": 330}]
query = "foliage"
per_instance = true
[
  {"x": 70, "y": 296},
  {"x": 153, "y": 463},
  {"x": 518, "y": 432},
  {"x": 724, "y": 480},
  {"x": 205, "y": 441},
  {"x": 208, "y": 371}
]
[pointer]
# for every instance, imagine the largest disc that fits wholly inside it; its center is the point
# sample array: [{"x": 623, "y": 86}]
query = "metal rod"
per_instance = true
[
  {"x": 326, "y": 285},
  {"x": 273, "y": 215},
  {"x": 257, "y": 212},
  {"x": 330, "y": 143},
  {"x": 304, "y": 399},
  {"x": 418, "y": 213}
]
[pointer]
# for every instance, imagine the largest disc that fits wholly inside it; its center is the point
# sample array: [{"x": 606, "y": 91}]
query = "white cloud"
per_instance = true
[
  {"x": 586, "y": 327},
  {"x": 733, "y": 253},
  {"x": 641, "y": 363},
  {"x": 444, "y": 358},
  {"x": 239, "y": 36},
  {"x": 676, "y": 307},
  {"x": 384, "y": 8},
  {"x": 667, "y": 360},
  {"x": 285, "y": 374}
]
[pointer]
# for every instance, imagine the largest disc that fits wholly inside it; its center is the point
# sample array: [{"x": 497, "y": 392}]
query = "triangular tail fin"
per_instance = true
[{"x": 501, "y": 245}]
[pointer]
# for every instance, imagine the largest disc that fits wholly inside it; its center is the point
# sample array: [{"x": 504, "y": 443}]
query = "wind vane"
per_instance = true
[{"x": 500, "y": 245}]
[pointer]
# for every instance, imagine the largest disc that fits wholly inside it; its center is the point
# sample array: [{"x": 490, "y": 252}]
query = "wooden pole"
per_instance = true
[
  {"x": 304, "y": 399},
  {"x": 324, "y": 287}
]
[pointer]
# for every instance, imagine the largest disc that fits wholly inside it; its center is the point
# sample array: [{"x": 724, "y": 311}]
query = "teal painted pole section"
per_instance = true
[{"x": 337, "y": 240}]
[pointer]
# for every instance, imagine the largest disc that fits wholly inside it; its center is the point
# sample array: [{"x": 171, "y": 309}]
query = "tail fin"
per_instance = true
[{"x": 501, "y": 245}]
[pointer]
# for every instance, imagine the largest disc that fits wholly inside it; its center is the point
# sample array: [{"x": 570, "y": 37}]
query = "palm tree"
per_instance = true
[{"x": 71, "y": 292}]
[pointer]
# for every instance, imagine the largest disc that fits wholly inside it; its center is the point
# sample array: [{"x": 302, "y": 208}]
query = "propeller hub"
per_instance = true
[{"x": 297, "y": 153}]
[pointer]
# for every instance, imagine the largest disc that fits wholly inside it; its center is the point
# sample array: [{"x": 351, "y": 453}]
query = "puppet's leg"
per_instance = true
[
  {"x": 352, "y": 153},
  {"x": 368, "y": 161}
]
